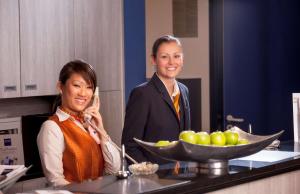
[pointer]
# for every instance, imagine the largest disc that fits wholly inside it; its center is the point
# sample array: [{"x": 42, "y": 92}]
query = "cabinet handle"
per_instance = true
[
  {"x": 230, "y": 118},
  {"x": 31, "y": 87},
  {"x": 10, "y": 88},
  {"x": 8, "y": 131}
]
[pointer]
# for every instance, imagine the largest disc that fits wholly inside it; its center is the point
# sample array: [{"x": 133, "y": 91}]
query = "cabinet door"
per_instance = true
[
  {"x": 9, "y": 49},
  {"x": 47, "y": 29},
  {"x": 99, "y": 39}
]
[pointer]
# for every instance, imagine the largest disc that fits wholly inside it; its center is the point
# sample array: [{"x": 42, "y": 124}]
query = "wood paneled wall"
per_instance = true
[
  {"x": 53, "y": 32},
  {"x": 279, "y": 184}
]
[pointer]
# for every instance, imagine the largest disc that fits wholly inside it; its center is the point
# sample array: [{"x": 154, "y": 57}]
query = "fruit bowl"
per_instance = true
[{"x": 183, "y": 151}]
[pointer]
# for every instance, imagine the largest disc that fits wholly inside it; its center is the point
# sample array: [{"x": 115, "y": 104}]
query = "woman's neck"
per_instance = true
[
  {"x": 169, "y": 84},
  {"x": 68, "y": 111}
]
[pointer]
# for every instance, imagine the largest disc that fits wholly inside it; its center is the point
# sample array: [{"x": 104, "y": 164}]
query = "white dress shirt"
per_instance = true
[
  {"x": 51, "y": 146},
  {"x": 175, "y": 91}
]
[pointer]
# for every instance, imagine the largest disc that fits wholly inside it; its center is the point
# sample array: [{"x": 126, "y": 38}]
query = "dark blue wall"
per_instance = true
[
  {"x": 244, "y": 64},
  {"x": 261, "y": 67},
  {"x": 134, "y": 35},
  {"x": 283, "y": 62}
]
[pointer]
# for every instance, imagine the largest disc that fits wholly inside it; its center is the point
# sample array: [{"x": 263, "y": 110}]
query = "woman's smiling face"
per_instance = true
[
  {"x": 76, "y": 93},
  {"x": 168, "y": 60}
]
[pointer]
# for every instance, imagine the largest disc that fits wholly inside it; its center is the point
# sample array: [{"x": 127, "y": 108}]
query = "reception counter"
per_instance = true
[{"x": 276, "y": 171}]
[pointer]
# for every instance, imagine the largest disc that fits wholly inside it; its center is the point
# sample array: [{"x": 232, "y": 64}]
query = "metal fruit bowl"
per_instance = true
[{"x": 183, "y": 151}]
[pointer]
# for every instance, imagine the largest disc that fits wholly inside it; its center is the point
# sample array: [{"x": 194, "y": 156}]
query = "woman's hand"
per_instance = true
[{"x": 96, "y": 117}]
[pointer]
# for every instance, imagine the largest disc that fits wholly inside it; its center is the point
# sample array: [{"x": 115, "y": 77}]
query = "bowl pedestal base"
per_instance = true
[{"x": 213, "y": 167}]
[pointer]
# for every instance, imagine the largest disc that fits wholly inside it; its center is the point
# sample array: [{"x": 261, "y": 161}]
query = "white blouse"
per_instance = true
[{"x": 51, "y": 146}]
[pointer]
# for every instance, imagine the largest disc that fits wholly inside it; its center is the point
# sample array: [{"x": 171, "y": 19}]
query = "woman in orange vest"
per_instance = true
[{"x": 71, "y": 150}]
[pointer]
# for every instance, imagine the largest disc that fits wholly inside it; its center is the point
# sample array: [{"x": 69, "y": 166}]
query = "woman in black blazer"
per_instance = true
[{"x": 151, "y": 114}]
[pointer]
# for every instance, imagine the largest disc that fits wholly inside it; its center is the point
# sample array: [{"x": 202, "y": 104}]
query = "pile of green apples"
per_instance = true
[{"x": 217, "y": 138}]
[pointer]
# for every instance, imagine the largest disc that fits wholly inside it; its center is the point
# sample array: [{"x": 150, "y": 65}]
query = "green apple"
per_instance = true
[
  {"x": 242, "y": 141},
  {"x": 188, "y": 136},
  {"x": 162, "y": 143},
  {"x": 203, "y": 138},
  {"x": 232, "y": 137},
  {"x": 218, "y": 138},
  {"x": 173, "y": 142}
]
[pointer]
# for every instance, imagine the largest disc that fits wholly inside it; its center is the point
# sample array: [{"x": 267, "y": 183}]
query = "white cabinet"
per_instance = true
[
  {"x": 9, "y": 49},
  {"x": 36, "y": 40},
  {"x": 37, "y": 37},
  {"x": 47, "y": 43}
]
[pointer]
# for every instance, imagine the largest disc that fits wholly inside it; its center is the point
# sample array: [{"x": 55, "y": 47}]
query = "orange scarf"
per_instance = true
[{"x": 176, "y": 105}]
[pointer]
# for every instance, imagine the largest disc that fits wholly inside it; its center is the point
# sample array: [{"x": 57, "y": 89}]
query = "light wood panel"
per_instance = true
[
  {"x": 280, "y": 184},
  {"x": 111, "y": 110},
  {"x": 9, "y": 49},
  {"x": 99, "y": 39},
  {"x": 47, "y": 43}
]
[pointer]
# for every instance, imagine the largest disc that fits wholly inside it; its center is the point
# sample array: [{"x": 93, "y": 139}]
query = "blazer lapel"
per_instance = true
[
  {"x": 163, "y": 91},
  {"x": 185, "y": 107}
]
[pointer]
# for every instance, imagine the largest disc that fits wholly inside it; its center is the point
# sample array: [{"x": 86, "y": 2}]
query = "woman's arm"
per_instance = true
[
  {"x": 50, "y": 143},
  {"x": 111, "y": 157},
  {"x": 135, "y": 121},
  {"x": 110, "y": 154}
]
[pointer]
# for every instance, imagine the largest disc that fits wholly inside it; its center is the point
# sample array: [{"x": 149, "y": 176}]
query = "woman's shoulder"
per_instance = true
[
  {"x": 50, "y": 126},
  {"x": 49, "y": 123},
  {"x": 142, "y": 88},
  {"x": 142, "y": 93},
  {"x": 50, "y": 135},
  {"x": 182, "y": 86}
]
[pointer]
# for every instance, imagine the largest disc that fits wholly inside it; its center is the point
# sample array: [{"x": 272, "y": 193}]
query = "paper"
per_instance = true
[
  {"x": 269, "y": 156},
  {"x": 12, "y": 173},
  {"x": 52, "y": 192}
]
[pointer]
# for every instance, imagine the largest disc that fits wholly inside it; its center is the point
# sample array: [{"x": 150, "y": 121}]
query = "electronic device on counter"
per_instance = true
[{"x": 11, "y": 144}]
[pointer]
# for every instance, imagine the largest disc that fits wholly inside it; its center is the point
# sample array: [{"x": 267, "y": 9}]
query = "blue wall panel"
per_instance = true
[
  {"x": 261, "y": 62},
  {"x": 134, "y": 35},
  {"x": 244, "y": 62},
  {"x": 283, "y": 63}
]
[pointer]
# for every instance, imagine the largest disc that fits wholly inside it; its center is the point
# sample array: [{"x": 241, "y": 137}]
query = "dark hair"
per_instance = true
[
  {"x": 161, "y": 40},
  {"x": 80, "y": 67}
]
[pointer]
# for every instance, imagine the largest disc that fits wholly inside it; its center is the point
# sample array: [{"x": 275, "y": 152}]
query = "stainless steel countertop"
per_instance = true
[
  {"x": 190, "y": 178},
  {"x": 133, "y": 184}
]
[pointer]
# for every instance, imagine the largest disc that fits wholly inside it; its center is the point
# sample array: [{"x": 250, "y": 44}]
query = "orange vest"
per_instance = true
[{"x": 82, "y": 157}]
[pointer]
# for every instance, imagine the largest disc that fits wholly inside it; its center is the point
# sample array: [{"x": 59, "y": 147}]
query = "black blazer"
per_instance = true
[{"x": 151, "y": 116}]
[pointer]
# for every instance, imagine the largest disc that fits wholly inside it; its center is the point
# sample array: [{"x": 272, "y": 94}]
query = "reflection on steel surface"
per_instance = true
[{"x": 183, "y": 151}]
